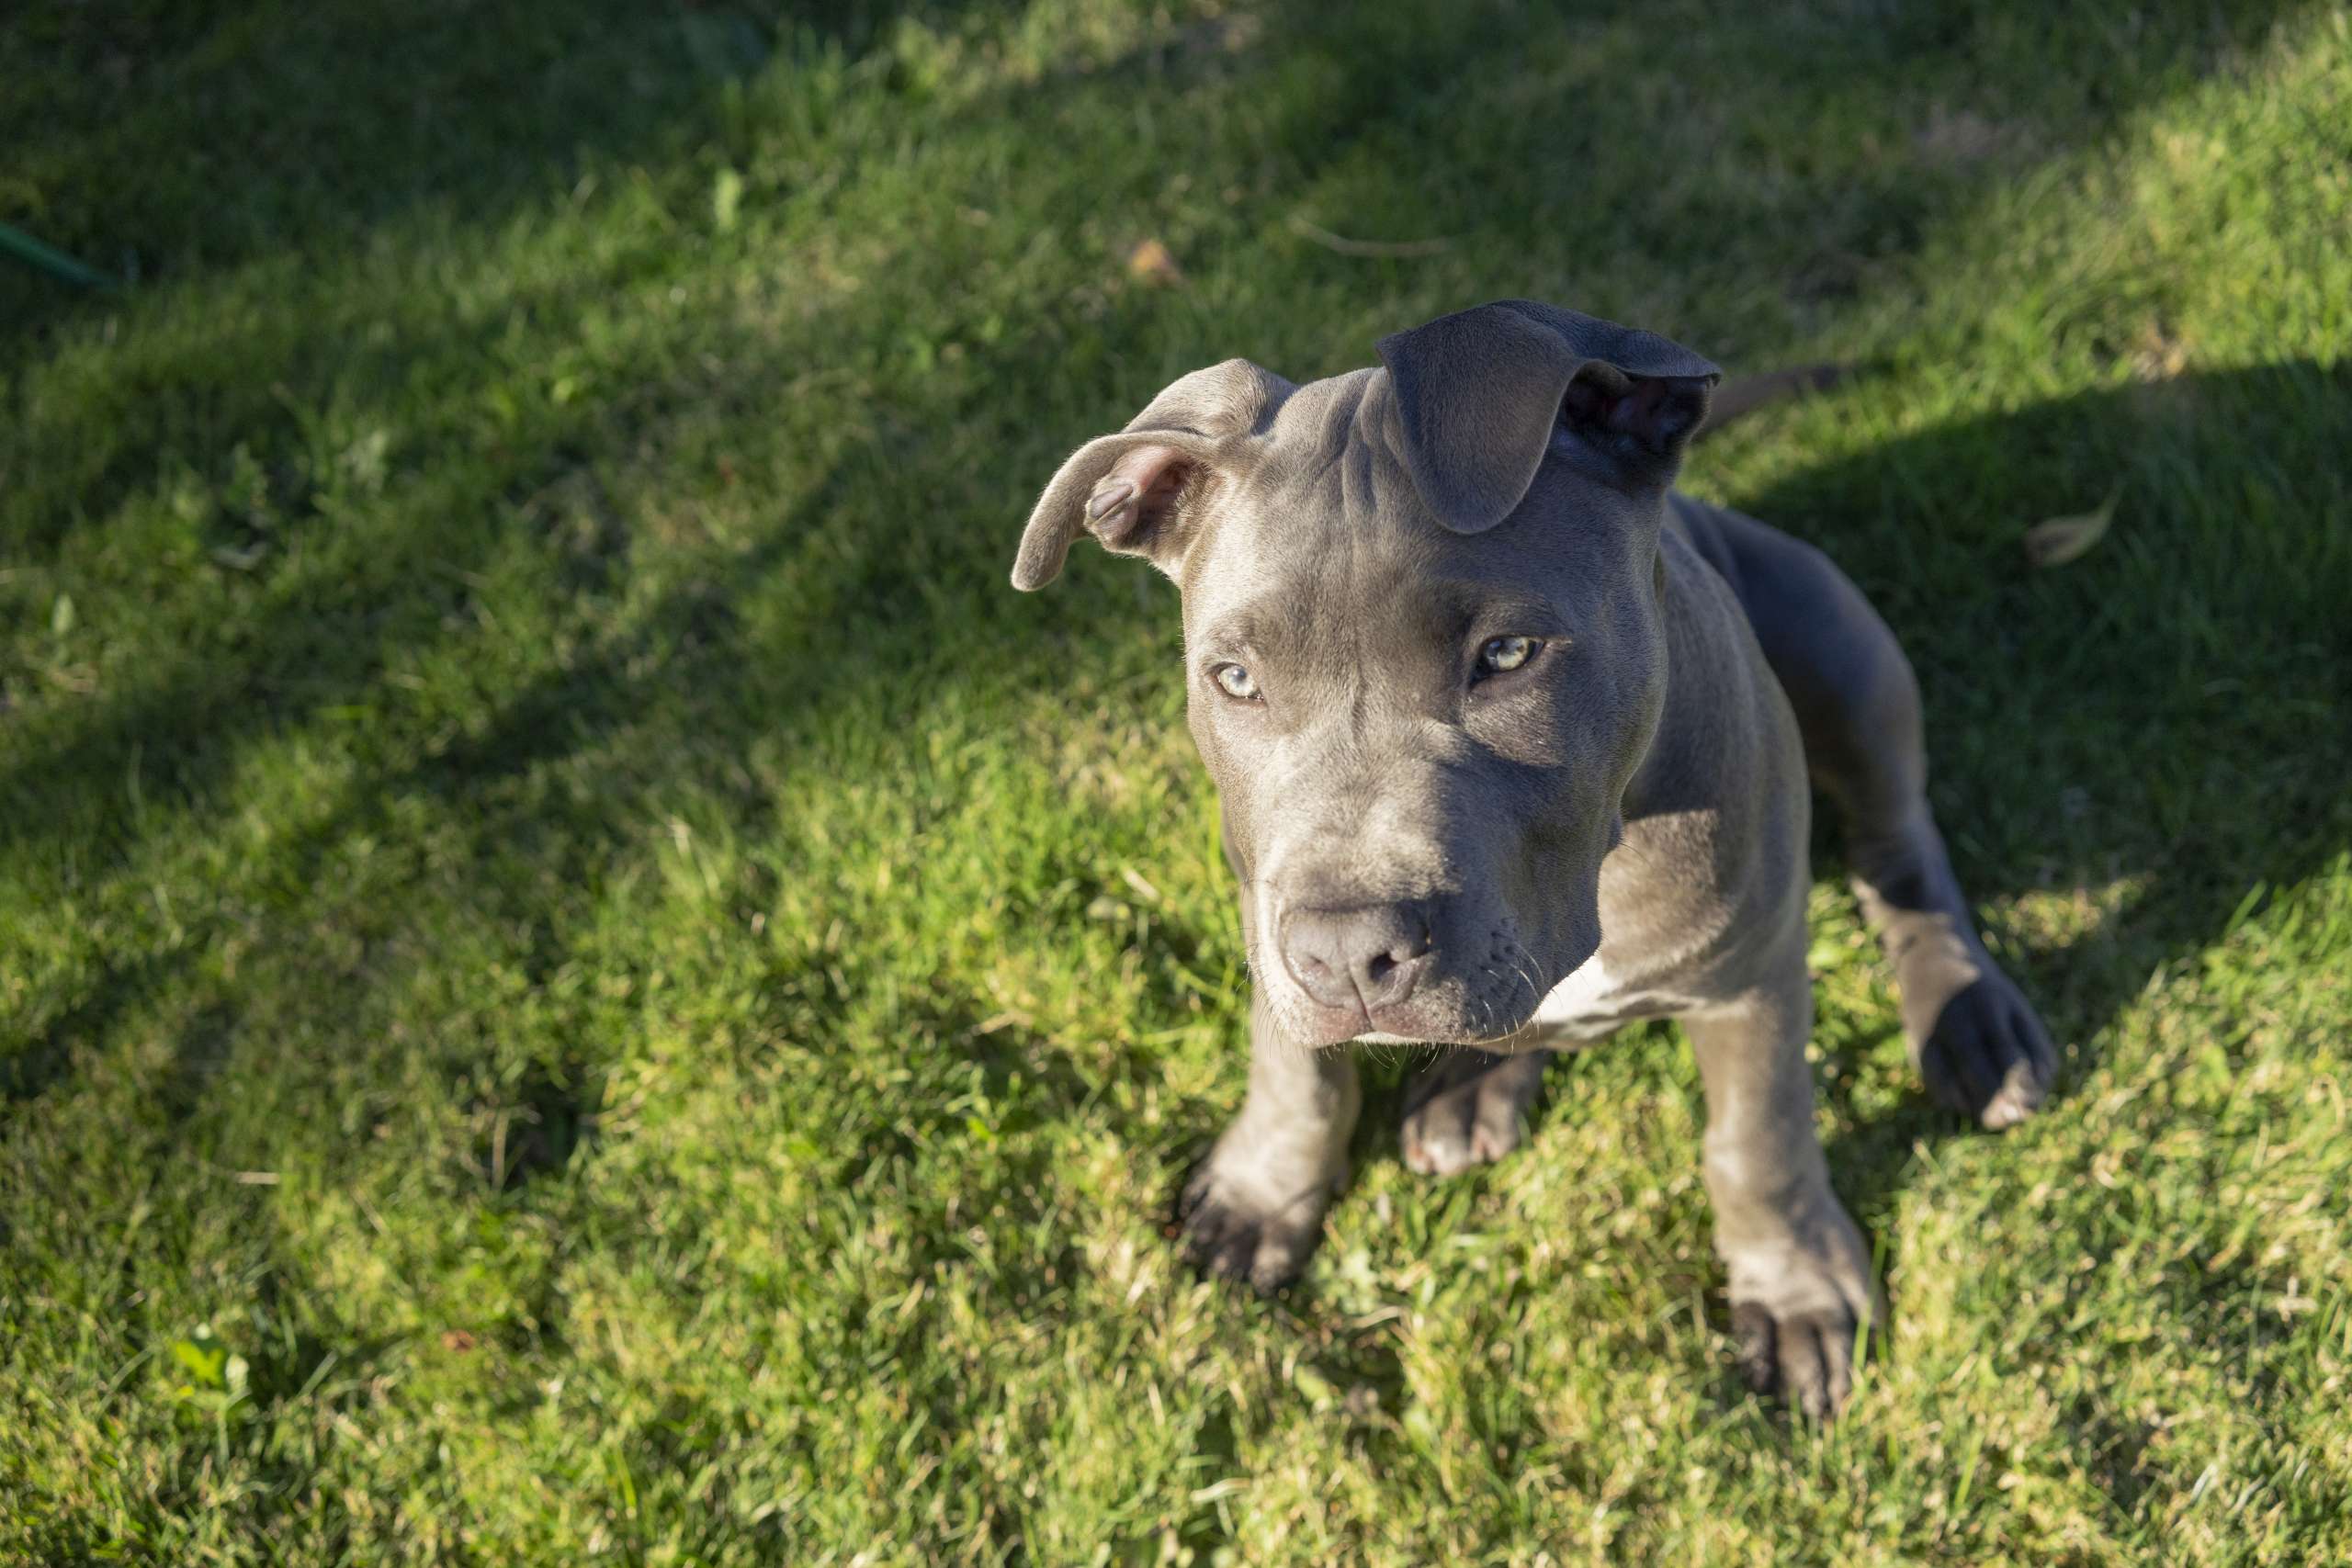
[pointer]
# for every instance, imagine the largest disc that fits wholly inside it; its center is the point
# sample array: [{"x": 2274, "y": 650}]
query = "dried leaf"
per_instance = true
[
  {"x": 2058, "y": 540},
  {"x": 1152, "y": 262}
]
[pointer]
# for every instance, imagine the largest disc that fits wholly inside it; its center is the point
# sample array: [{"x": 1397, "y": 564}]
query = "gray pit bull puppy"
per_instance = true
[{"x": 1513, "y": 741}]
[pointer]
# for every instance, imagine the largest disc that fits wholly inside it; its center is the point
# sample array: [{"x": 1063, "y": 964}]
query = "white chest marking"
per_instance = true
[{"x": 1576, "y": 999}]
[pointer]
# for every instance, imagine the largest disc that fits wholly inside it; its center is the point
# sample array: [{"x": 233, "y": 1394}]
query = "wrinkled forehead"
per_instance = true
[
  {"x": 1324, "y": 500},
  {"x": 1333, "y": 447},
  {"x": 1324, "y": 521}
]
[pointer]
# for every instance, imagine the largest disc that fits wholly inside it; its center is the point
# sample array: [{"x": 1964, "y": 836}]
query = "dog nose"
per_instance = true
[{"x": 1372, "y": 956}]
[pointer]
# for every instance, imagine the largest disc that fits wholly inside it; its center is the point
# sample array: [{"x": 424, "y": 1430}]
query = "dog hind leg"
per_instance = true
[{"x": 1976, "y": 1042}]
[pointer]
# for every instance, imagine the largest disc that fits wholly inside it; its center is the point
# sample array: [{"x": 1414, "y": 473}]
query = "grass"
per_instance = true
[{"x": 580, "y": 980}]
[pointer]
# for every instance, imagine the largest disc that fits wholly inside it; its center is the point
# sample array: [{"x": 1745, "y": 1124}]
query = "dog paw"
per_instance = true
[
  {"x": 1796, "y": 1320},
  {"x": 1470, "y": 1108},
  {"x": 1236, "y": 1229},
  {"x": 1984, "y": 1052},
  {"x": 1806, "y": 1358}
]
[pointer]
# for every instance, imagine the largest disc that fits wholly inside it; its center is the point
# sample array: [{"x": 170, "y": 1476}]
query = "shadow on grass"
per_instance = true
[
  {"x": 162, "y": 143},
  {"x": 2162, "y": 728},
  {"x": 273, "y": 133},
  {"x": 487, "y": 122}
]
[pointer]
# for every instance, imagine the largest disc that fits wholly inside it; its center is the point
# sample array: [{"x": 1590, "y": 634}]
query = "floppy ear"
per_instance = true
[
  {"x": 1480, "y": 396},
  {"x": 1135, "y": 492}
]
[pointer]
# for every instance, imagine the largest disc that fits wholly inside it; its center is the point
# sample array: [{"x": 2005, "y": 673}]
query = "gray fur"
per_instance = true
[{"x": 1615, "y": 829}]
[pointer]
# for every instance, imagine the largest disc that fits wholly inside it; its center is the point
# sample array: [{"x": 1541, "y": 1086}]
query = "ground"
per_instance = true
[{"x": 580, "y": 980}]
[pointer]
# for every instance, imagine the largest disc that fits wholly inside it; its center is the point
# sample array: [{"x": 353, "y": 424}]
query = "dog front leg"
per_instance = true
[{"x": 1801, "y": 1284}]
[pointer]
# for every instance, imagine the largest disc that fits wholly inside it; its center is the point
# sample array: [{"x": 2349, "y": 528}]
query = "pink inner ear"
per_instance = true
[
  {"x": 1127, "y": 502},
  {"x": 1639, "y": 409},
  {"x": 1586, "y": 401},
  {"x": 1647, "y": 408}
]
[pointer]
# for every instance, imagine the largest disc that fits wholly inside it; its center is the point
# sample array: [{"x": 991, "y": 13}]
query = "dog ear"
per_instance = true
[
  {"x": 1480, "y": 396},
  {"x": 1136, "y": 491}
]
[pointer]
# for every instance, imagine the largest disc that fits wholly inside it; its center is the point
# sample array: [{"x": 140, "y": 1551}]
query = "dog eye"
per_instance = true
[
  {"x": 1236, "y": 683},
  {"x": 1502, "y": 654}
]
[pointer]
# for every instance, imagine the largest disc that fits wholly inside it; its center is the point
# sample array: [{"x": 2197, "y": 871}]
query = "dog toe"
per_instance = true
[
  {"x": 1805, "y": 1358},
  {"x": 1987, "y": 1056},
  {"x": 1228, "y": 1237},
  {"x": 1755, "y": 1347},
  {"x": 1468, "y": 1110}
]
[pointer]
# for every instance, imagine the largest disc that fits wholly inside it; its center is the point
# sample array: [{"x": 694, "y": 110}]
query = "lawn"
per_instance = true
[{"x": 580, "y": 980}]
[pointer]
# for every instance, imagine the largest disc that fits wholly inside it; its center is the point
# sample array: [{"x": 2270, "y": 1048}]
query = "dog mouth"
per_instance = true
[{"x": 1487, "y": 1003}]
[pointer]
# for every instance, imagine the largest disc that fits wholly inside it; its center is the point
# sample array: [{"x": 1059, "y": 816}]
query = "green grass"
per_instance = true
[{"x": 580, "y": 980}]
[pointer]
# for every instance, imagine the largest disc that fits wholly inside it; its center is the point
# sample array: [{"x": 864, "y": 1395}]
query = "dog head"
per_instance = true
[{"x": 1424, "y": 645}]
